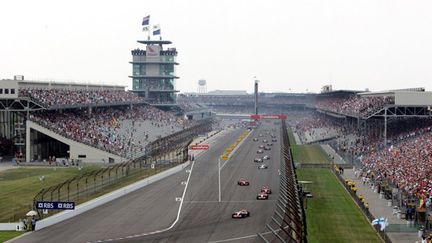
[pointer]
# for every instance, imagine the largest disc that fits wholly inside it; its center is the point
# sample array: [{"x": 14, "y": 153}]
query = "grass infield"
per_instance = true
[
  {"x": 307, "y": 153},
  {"x": 19, "y": 186},
  {"x": 7, "y": 235},
  {"x": 331, "y": 214}
]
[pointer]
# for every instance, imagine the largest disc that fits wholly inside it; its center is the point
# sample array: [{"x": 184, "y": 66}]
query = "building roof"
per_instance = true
[
  {"x": 226, "y": 92},
  {"x": 404, "y": 98},
  {"x": 339, "y": 92}
]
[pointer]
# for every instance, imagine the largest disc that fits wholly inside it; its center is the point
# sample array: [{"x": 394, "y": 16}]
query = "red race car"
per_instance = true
[
  {"x": 266, "y": 190},
  {"x": 262, "y": 196},
  {"x": 241, "y": 214},
  {"x": 243, "y": 182}
]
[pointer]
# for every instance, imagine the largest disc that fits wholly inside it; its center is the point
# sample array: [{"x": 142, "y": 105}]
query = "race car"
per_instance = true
[
  {"x": 262, "y": 196},
  {"x": 241, "y": 214},
  {"x": 269, "y": 144},
  {"x": 261, "y": 146},
  {"x": 267, "y": 148},
  {"x": 263, "y": 166},
  {"x": 255, "y": 139},
  {"x": 258, "y": 160},
  {"x": 243, "y": 182},
  {"x": 266, "y": 190},
  {"x": 260, "y": 135},
  {"x": 265, "y": 141},
  {"x": 266, "y": 157},
  {"x": 274, "y": 140},
  {"x": 260, "y": 151}
]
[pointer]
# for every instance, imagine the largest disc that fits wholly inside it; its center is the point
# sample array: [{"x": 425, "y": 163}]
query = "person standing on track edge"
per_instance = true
[{"x": 33, "y": 223}]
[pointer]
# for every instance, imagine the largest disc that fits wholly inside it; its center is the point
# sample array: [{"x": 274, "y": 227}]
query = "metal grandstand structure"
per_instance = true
[{"x": 408, "y": 103}]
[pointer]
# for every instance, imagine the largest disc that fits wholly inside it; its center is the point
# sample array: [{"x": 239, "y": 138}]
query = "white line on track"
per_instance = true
[
  {"x": 162, "y": 230},
  {"x": 244, "y": 201},
  {"x": 199, "y": 154},
  {"x": 243, "y": 237},
  {"x": 221, "y": 167}
]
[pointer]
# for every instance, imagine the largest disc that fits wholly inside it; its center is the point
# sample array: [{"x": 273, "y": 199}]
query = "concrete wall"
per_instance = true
[
  {"x": 413, "y": 98},
  {"x": 9, "y": 226},
  {"x": 75, "y": 148},
  {"x": 8, "y": 85},
  {"x": 107, "y": 198}
]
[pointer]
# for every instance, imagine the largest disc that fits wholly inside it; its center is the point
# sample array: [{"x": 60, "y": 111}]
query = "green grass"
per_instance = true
[
  {"x": 7, "y": 235},
  {"x": 307, "y": 153},
  {"x": 19, "y": 186},
  {"x": 331, "y": 214}
]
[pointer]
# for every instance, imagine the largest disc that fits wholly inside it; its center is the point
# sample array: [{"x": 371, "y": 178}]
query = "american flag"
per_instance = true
[{"x": 146, "y": 20}]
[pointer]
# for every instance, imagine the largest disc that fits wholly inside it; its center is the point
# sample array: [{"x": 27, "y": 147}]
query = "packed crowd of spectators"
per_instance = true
[
  {"x": 65, "y": 97},
  {"x": 405, "y": 162},
  {"x": 190, "y": 106},
  {"x": 314, "y": 127},
  {"x": 245, "y": 100},
  {"x": 124, "y": 132},
  {"x": 355, "y": 105}
]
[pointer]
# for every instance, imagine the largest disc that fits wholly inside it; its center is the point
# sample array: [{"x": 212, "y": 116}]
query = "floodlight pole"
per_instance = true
[
  {"x": 219, "y": 172},
  {"x": 256, "y": 96}
]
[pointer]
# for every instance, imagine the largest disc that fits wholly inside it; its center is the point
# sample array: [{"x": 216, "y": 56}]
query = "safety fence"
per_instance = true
[
  {"x": 89, "y": 185},
  {"x": 288, "y": 223}
]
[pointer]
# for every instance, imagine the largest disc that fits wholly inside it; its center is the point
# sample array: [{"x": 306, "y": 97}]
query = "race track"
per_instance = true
[{"x": 137, "y": 217}]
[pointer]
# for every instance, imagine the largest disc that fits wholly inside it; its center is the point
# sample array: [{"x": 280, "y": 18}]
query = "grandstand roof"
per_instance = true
[
  {"x": 225, "y": 92},
  {"x": 339, "y": 92},
  {"x": 405, "y": 98},
  {"x": 65, "y": 85}
]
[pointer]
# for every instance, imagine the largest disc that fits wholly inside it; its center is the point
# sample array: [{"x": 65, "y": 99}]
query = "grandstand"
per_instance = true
[{"x": 84, "y": 122}]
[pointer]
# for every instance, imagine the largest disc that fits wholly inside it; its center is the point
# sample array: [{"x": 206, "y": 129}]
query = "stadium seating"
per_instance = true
[
  {"x": 121, "y": 131},
  {"x": 63, "y": 97},
  {"x": 355, "y": 105}
]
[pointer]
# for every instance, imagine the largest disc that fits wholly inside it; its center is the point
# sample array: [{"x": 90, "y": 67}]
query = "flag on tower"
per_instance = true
[
  {"x": 146, "y": 23},
  {"x": 156, "y": 29}
]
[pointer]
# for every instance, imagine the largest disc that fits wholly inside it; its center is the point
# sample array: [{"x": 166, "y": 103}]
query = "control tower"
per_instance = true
[{"x": 153, "y": 72}]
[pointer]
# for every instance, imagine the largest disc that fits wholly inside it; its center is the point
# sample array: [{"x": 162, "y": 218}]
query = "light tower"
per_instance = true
[
  {"x": 202, "y": 86},
  {"x": 256, "y": 96}
]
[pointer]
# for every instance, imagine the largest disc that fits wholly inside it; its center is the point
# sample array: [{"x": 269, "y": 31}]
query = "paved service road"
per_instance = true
[{"x": 203, "y": 218}]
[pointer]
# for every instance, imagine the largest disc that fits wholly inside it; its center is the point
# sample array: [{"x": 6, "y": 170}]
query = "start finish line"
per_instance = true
[{"x": 55, "y": 205}]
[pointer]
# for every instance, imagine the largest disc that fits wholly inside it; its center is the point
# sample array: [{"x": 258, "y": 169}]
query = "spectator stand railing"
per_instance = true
[
  {"x": 95, "y": 105},
  {"x": 159, "y": 145},
  {"x": 288, "y": 221}
]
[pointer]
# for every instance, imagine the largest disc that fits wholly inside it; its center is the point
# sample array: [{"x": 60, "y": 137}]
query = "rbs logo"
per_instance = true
[{"x": 56, "y": 205}]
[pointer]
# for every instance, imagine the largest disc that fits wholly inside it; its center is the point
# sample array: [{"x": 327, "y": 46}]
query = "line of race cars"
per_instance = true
[
  {"x": 261, "y": 149},
  {"x": 265, "y": 190},
  {"x": 262, "y": 195}
]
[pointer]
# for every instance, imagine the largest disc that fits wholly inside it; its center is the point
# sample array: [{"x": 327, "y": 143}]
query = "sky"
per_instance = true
[{"x": 289, "y": 46}]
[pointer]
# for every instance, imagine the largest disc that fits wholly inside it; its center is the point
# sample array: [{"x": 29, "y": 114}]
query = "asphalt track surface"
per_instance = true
[{"x": 136, "y": 216}]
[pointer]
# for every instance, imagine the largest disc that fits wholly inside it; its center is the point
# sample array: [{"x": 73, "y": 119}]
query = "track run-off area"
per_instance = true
[{"x": 185, "y": 207}]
